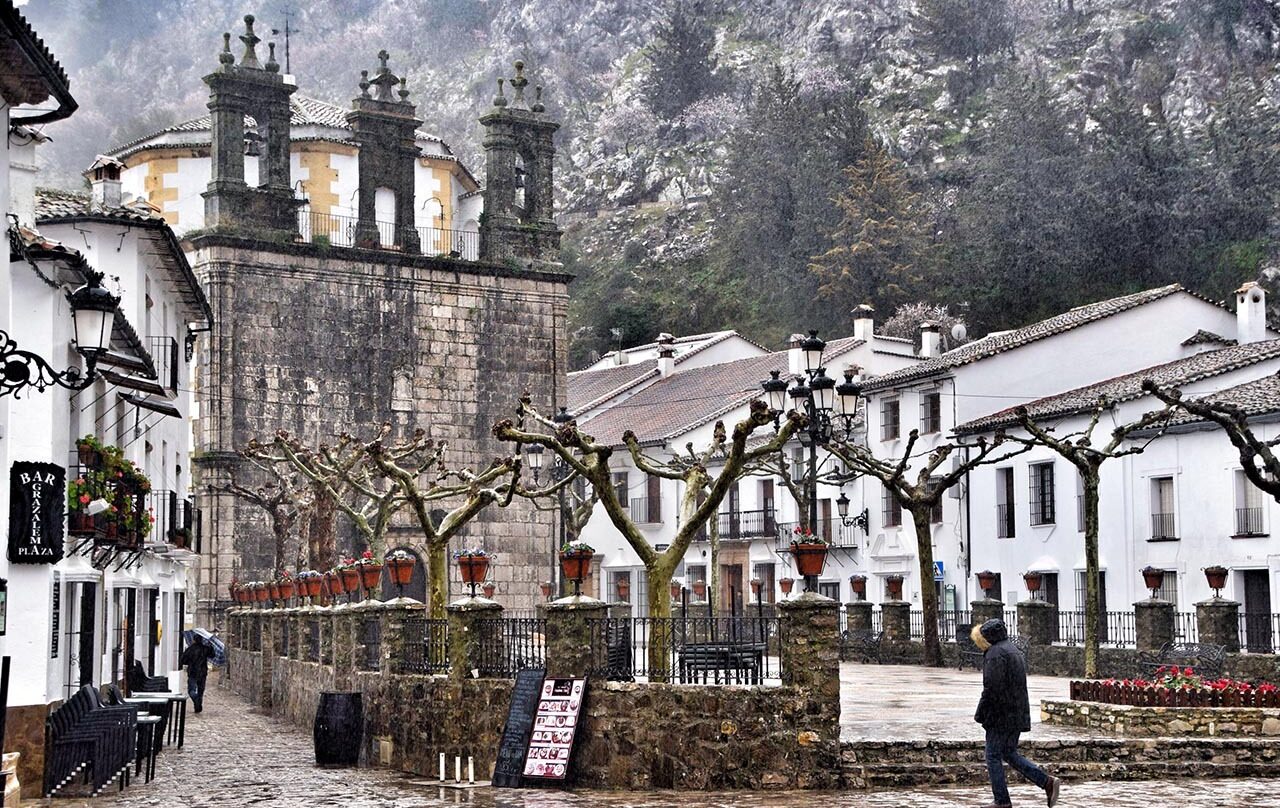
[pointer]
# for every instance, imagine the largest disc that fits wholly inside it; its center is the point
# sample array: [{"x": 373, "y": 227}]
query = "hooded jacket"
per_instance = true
[{"x": 1004, "y": 705}]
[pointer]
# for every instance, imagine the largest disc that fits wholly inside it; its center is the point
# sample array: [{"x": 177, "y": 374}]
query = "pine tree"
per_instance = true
[
  {"x": 969, "y": 30},
  {"x": 681, "y": 61}
]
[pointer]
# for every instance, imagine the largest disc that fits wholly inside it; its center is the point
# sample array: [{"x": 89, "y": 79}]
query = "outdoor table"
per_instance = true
[
  {"x": 147, "y": 727},
  {"x": 177, "y": 710}
]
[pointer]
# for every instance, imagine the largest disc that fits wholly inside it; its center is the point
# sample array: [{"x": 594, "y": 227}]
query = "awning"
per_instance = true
[
  {"x": 148, "y": 386},
  {"x": 155, "y": 406}
]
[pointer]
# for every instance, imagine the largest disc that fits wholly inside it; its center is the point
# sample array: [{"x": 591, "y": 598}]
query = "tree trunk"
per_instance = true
[
  {"x": 320, "y": 531},
  {"x": 661, "y": 636},
  {"x": 713, "y": 585},
  {"x": 280, "y": 527},
  {"x": 1091, "y": 596},
  {"x": 437, "y": 578},
  {"x": 920, "y": 515}
]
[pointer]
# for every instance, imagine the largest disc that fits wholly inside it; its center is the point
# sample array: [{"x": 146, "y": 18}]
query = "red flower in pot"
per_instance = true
[
  {"x": 809, "y": 552},
  {"x": 474, "y": 566},
  {"x": 575, "y": 563}
]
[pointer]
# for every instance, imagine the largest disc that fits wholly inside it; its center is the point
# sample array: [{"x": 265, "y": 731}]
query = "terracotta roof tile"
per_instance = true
[{"x": 1257, "y": 397}]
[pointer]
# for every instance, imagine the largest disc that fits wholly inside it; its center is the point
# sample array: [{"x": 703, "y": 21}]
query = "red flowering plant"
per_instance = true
[
  {"x": 367, "y": 558},
  {"x": 1172, "y": 677},
  {"x": 803, "y": 534}
]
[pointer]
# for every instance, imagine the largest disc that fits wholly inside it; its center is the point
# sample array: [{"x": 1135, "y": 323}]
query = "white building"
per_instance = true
[
  {"x": 80, "y": 607},
  {"x": 1085, "y": 345},
  {"x": 673, "y": 400},
  {"x": 1180, "y": 505}
]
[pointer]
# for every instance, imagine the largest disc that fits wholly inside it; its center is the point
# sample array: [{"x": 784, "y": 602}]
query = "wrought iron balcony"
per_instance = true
[
  {"x": 343, "y": 231},
  {"x": 737, "y": 525},
  {"x": 1249, "y": 522}
]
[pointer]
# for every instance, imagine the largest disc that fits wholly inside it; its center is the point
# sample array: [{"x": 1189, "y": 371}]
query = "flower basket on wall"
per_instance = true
[
  {"x": 575, "y": 563},
  {"x": 1153, "y": 579},
  {"x": 1033, "y": 581},
  {"x": 785, "y": 584},
  {"x": 810, "y": 557},
  {"x": 986, "y": 582},
  {"x": 400, "y": 567},
  {"x": 1217, "y": 578},
  {"x": 893, "y": 585},
  {"x": 350, "y": 580}
]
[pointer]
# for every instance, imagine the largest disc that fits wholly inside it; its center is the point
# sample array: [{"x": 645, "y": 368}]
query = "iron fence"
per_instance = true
[
  {"x": 950, "y": 622},
  {"x": 687, "y": 650},
  {"x": 371, "y": 639},
  {"x": 345, "y": 231},
  {"x": 1011, "y": 621},
  {"x": 425, "y": 646},
  {"x": 877, "y": 621},
  {"x": 1185, "y": 628},
  {"x": 1259, "y": 633},
  {"x": 1162, "y": 526},
  {"x": 1117, "y": 629},
  {"x": 510, "y": 645},
  {"x": 734, "y": 525}
]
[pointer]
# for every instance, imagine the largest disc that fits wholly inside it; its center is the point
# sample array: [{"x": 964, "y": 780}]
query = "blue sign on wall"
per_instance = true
[{"x": 937, "y": 571}]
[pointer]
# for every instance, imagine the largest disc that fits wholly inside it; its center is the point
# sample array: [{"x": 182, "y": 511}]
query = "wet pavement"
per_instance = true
[{"x": 238, "y": 758}]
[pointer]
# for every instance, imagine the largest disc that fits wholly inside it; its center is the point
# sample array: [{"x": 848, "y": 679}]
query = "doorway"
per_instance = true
[{"x": 1257, "y": 611}]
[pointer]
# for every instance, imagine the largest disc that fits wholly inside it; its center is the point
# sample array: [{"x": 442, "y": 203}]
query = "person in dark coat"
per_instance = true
[
  {"x": 196, "y": 660},
  {"x": 1004, "y": 711}
]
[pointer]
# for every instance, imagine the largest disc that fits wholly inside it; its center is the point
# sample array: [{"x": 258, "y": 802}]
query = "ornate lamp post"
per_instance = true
[
  {"x": 832, "y": 410},
  {"x": 93, "y": 311}
]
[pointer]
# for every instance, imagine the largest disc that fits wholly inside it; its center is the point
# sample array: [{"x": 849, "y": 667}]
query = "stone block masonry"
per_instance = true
[
  {"x": 318, "y": 340},
  {"x": 1162, "y": 722}
]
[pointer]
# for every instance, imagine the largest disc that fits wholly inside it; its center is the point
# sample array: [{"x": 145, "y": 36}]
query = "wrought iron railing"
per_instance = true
[
  {"x": 1162, "y": 526},
  {"x": 950, "y": 623},
  {"x": 705, "y": 650},
  {"x": 331, "y": 229},
  {"x": 1005, "y": 528},
  {"x": 371, "y": 639},
  {"x": 1185, "y": 627},
  {"x": 1249, "y": 522},
  {"x": 425, "y": 646},
  {"x": 734, "y": 525},
  {"x": 833, "y": 531},
  {"x": 510, "y": 645},
  {"x": 1259, "y": 633},
  {"x": 646, "y": 510},
  {"x": 1117, "y": 629},
  {"x": 164, "y": 352}
]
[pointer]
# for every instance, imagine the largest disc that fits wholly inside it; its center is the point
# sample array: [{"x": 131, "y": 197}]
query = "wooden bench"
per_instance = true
[
  {"x": 968, "y": 653},
  {"x": 861, "y": 645},
  {"x": 740, "y": 659},
  {"x": 1205, "y": 659}
]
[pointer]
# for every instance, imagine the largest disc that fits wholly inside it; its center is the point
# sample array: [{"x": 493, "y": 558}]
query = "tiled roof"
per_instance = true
[
  {"x": 1003, "y": 341},
  {"x": 589, "y": 387},
  {"x": 305, "y": 111},
  {"x": 700, "y": 342},
  {"x": 54, "y": 204},
  {"x": 672, "y": 406},
  {"x": 1257, "y": 397},
  {"x": 1129, "y": 387},
  {"x": 27, "y": 62},
  {"x": 1202, "y": 337}
]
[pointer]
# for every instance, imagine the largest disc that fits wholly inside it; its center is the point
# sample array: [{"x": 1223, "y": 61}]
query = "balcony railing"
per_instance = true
[
  {"x": 832, "y": 531},
  {"x": 1004, "y": 521},
  {"x": 344, "y": 231},
  {"x": 735, "y": 525},
  {"x": 646, "y": 510},
  {"x": 1249, "y": 522},
  {"x": 1162, "y": 526},
  {"x": 164, "y": 350}
]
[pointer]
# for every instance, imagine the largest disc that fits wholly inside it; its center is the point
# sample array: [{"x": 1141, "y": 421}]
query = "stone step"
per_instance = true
[
  {"x": 903, "y": 775},
  {"x": 1093, "y": 751}
]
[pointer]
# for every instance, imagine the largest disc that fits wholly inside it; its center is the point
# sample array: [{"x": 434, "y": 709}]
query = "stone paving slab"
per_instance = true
[
  {"x": 909, "y": 702},
  {"x": 238, "y": 758}
]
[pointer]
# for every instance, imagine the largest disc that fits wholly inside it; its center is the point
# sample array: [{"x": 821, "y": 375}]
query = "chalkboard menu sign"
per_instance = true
[
  {"x": 515, "y": 733},
  {"x": 554, "y": 728},
  {"x": 37, "y": 499}
]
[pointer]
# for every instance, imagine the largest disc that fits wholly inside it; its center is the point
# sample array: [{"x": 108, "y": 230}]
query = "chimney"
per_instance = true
[
  {"x": 1251, "y": 313},
  {"x": 930, "y": 339},
  {"x": 666, "y": 355},
  {"x": 864, "y": 322},
  {"x": 795, "y": 356},
  {"x": 104, "y": 179},
  {"x": 620, "y": 357}
]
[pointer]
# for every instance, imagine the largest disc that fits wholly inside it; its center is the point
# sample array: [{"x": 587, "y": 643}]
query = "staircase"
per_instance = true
[{"x": 901, "y": 764}]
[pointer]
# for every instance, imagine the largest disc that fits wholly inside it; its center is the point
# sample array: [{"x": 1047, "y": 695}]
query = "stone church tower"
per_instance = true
[{"x": 316, "y": 338}]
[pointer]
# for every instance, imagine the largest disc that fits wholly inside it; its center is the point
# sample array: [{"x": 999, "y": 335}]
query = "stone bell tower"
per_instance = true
[
  {"x": 258, "y": 91},
  {"x": 384, "y": 129},
  {"x": 519, "y": 220}
]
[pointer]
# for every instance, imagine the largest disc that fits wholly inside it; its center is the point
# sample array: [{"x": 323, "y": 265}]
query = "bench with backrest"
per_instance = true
[
  {"x": 744, "y": 661},
  {"x": 1205, "y": 659},
  {"x": 968, "y": 653},
  {"x": 85, "y": 736},
  {"x": 861, "y": 645}
]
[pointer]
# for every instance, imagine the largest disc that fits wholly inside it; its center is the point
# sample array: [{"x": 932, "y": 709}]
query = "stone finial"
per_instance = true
[
  {"x": 537, "y": 100},
  {"x": 385, "y": 81},
  {"x": 364, "y": 84},
  {"x": 404, "y": 90},
  {"x": 226, "y": 57},
  {"x": 500, "y": 100},
  {"x": 250, "y": 40},
  {"x": 518, "y": 83},
  {"x": 272, "y": 65}
]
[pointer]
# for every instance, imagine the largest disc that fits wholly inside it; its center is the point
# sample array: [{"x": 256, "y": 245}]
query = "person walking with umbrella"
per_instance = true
[
  {"x": 1004, "y": 711},
  {"x": 196, "y": 660}
]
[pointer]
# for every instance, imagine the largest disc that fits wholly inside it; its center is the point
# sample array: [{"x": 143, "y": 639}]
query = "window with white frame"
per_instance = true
[
  {"x": 890, "y": 419},
  {"x": 890, "y": 508},
  {"x": 1004, "y": 503},
  {"x": 1162, "y": 509},
  {"x": 930, "y": 412},
  {"x": 1249, "y": 507},
  {"x": 764, "y": 573},
  {"x": 1040, "y": 477}
]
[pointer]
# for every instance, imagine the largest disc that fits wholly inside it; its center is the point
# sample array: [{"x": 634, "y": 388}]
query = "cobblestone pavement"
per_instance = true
[
  {"x": 236, "y": 758},
  {"x": 884, "y": 702}
]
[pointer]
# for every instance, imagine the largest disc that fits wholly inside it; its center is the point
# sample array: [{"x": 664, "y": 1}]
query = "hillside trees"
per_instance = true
[
  {"x": 967, "y": 30},
  {"x": 681, "y": 60}
]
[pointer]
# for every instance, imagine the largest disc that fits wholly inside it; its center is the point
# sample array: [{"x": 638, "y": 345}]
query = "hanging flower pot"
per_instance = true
[
  {"x": 286, "y": 589},
  {"x": 700, "y": 589},
  {"x": 986, "y": 582},
  {"x": 350, "y": 580},
  {"x": 315, "y": 583},
  {"x": 785, "y": 585},
  {"x": 260, "y": 592},
  {"x": 756, "y": 583},
  {"x": 1153, "y": 579},
  {"x": 489, "y": 588},
  {"x": 676, "y": 589},
  {"x": 893, "y": 585},
  {"x": 400, "y": 567},
  {"x": 858, "y": 583},
  {"x": 88, "y": 454},
  {"x": 575, "y": 562},
  {"x": 273, "y": 591},
  {"x": 1217, "y": 577},
  {"x": 333, "y": 579},
  {"x": 810, "y": 556},
  {"x": 624, "y": 589},
  {"x": 370, "y": 575},
  {"x": 546, "y": 587},
  {"x": 474, "y": 568},
  {"x": 1032, "y": 580}
]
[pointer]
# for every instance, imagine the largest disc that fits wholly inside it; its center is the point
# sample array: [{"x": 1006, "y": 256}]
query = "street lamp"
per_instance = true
[
  {"x": 842, "y": 506},
  {"x": 93, "y": 311},
  {"x": 831, "y": 408}
]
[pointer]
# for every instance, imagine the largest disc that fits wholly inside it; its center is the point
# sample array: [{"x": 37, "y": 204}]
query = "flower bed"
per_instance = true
[{"x": 1177, "y": 687}]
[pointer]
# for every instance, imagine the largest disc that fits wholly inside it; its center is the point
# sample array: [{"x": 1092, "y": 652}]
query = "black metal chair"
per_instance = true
[{"x": 85, "y": 736}]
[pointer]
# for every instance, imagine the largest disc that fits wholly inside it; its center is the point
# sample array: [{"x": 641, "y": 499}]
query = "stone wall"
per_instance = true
[
  {"x": 24, "y": 733},
  {"x": 632, "y": 736},
  {"x": 319, "y": 340},
  {"x": 1154, "y": 722}
]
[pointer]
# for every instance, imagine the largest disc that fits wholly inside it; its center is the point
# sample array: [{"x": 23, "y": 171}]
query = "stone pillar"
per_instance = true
[
  {"x": 810, "y": 645},
  {"x": 895, "y": 620},
  {"x": 701, "y": 609},
  {"x": 468, "y": 636},
  {"x": 1153, "y": 622},
  {"x": 391, "y": 631},
  {"x": 858, "y": 616},
  {"x": 270, "y": 641},
  {"x": 1037, "y": 620},
  {"x": 570, "y": 652},
  {"x": 620, "y": 611},
  {"x": 1218, "y": 620},
  {"x": 985, "y": 609}
]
